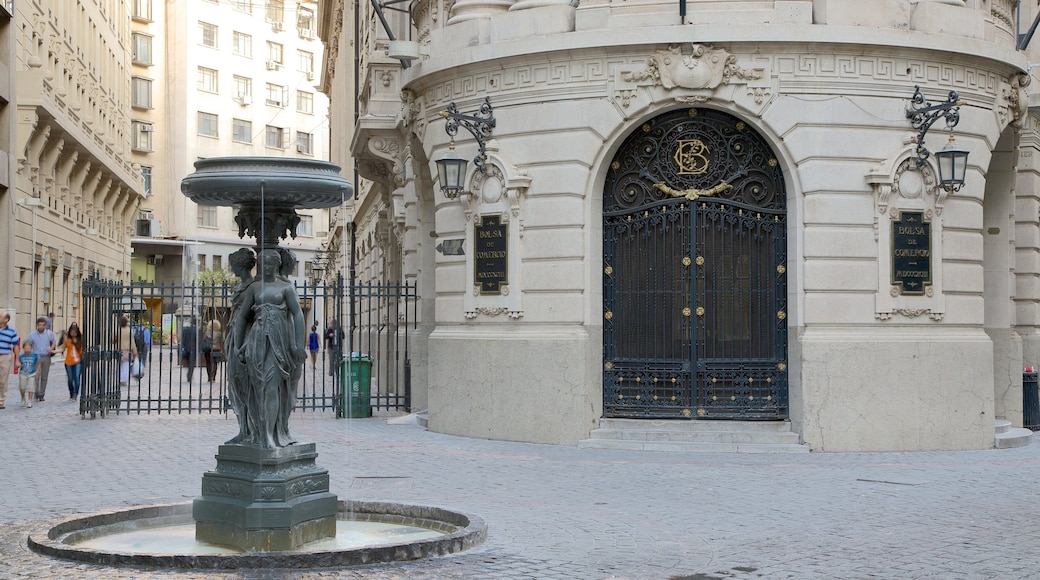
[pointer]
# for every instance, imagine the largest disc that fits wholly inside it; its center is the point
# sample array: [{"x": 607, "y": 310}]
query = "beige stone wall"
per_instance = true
[{"x": 871, "y": 367}]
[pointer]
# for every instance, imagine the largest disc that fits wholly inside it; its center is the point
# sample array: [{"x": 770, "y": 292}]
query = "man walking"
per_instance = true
[
  {"x": 334, "y": 346},
  {"x": 8, "y": 342},
  {"x": 190, "y": 346},
  {"x": 43, "y": 344}
]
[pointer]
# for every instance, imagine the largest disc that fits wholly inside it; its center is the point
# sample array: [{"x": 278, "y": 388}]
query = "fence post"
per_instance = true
[{"x": 1030, "y": 400}]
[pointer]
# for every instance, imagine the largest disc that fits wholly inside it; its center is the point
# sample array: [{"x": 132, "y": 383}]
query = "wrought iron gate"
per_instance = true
[
  {"x": 377, "y": 320},
  {"x": 694, "y": 285}
]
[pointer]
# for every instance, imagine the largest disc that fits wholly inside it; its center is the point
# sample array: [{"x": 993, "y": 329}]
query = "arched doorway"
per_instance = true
[{"x": 694, "y": 276}]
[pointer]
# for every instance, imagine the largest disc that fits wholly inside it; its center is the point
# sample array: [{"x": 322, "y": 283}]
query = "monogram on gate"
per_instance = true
[{"x": 691, "y": 157}]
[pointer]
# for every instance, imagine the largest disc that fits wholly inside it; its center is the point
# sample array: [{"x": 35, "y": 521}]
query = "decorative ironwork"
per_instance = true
[
  {"x": 479, "y": 125},
  {"x": 727, "y": 361},
  {"x": 384, "y": 318},
  {"x": 923, "y": 115}
]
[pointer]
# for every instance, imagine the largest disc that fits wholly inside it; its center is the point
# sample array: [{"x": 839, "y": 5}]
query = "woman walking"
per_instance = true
[{"x": 72, "y": 344}]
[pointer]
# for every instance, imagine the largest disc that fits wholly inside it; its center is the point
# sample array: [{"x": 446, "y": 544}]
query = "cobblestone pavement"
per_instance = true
[{"x": 553, "y": 511}]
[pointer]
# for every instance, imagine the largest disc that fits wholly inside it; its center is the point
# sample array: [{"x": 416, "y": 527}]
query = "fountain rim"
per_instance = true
[
  {"x": 287, "y": 182},
  {"x": 469, "y": 531}
]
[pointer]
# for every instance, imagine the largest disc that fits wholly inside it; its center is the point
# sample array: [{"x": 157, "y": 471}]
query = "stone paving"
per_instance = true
[{"x": 552, "y": 511}]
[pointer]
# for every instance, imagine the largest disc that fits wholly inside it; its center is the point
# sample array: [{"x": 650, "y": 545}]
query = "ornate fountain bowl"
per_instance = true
[{"x": 278, "y": 182}]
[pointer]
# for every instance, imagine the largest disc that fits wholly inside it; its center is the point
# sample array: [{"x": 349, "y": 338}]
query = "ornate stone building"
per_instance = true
[
  {"x": 702, "y": 211},
  {"x": 77, "y": 189}
]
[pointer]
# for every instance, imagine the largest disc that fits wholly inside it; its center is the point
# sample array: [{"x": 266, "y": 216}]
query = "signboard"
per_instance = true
[
  {"x": 490, "y": 256},
  {"x": 912, "y": 252}
]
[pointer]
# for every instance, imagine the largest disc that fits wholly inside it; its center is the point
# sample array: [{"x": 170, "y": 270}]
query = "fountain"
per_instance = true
[{"x": 267, "y": 501}]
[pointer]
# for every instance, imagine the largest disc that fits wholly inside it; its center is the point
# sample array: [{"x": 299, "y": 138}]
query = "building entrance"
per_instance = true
[{"x": 694, "y": 273}]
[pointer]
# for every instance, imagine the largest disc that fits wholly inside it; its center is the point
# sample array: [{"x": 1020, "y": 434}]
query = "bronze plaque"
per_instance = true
[
  {"x": 912, "y": 252},
  {"x": 490, "y": 258}
]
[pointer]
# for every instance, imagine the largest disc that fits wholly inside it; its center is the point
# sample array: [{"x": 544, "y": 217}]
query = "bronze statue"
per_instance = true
[
  {"x": 242, "y": 263},
  {"x": 266, "y": 343}
]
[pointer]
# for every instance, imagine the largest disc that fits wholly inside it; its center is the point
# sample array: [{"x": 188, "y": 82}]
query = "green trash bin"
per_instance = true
[{"x": 357, "y": 386}]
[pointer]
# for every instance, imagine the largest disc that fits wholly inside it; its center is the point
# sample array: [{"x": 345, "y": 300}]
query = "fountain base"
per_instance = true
[{"x": 265, "y": 500}]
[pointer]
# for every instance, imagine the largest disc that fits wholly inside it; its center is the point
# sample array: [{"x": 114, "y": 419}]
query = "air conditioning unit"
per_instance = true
[
  {"x": 243, "y": 100},
  {"x": 155, "y": 260},
  {"x": 306, "y": 33},
  {"x": 276, "y": 26},
  {"x": 310, "y": 75},
  {"x": 273, "y": 65},
  {"x": 147, "y": 128},
  {"x": 148, "y": 228},
  {"x": 300, "y": 148}
]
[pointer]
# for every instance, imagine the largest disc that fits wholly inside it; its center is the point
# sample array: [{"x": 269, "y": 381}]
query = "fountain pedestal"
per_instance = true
[{"x": 265, "y": 500}]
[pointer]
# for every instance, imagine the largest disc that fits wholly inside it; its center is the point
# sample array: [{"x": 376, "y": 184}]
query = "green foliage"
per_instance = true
[{"x": 215, "y": 277}]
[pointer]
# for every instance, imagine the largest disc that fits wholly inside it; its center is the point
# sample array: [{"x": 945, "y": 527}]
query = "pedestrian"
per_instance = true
[
  {"x": 43, "y": 344},
  {"x": 72, "y": 346},
  {"x": 313, "y": 346},
  {"x": 146, "y": 332},
  {"x": 50, "y": 321},
  {"x": 8, "y": 356},
  {"x": 334, "y": 346},
  {"x": 190, "y": 346},
  {"x": 27, "y": 370},
  {"x": 212, "y": 348},
  {"x": 124, "y": 341}
]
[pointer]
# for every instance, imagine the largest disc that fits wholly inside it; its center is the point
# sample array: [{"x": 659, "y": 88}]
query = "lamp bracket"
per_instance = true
[
  {"x": 923, "y": 114},
  {"x": 479, "y": 125}
]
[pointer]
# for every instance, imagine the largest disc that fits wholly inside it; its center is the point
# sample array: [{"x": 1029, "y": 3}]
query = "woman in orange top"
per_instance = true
[{"x": 72, "y": 344}]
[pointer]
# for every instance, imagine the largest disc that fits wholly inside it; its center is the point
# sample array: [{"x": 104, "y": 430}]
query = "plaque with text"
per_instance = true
[
  {"x": 912, "y": 252},
  {"x": 490, "y": 255}
]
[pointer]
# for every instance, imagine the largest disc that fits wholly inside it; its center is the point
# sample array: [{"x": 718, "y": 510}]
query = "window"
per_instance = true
[
  {"x": 142, "y": 10},
  {"x": 207, "y": 124},
  {"x": 242, "y": 6},
  {"x": 275, "y": 11},
  {"x": 141, "y": 93},
  {"x": 305, "y": 22},
  {"x": 202, "y": 257},
  {"x": 242, "y": 131},
  {"x": 142, "y": 48},
  {"x": 243, "y": 45},
  {"x": 208, "y": 34},
  {"x": 275, "y": 95},
  {"x": 243, "y": 88},
  {"x": 304, "y": 143},
  {"x": 304, "y": 102},
  {"x": 207, "y": 79},
  {"x": 306, "y": 62},
  {"x": 142, "y": 137},
  {"x": 146, "y": 178},
  {"x": 207, "y": 219},
  {"x": 274, "y": 52},
  {"x": 218, "y": 262},
  {"x": 306, "y": 227},
  {"x": 274, "y": 137}
]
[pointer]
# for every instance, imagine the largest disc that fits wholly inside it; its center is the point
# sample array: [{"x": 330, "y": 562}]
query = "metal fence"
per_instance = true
[{"x": 376, "y": 322}]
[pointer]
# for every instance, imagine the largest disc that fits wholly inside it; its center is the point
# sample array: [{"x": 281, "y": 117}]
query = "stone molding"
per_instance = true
[{"x": 899, "y": 185}]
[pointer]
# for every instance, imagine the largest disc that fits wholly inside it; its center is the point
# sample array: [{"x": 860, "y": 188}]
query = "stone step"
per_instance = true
[
  {"x": 1013, "y": 437},
  {"x": 698, "y": 425},
  {"x": 712, "y": 436},
  {"x": 690, "y": 447},
  {"x": 695, "y": 436},
  {"x": 1001, "y": 425}
]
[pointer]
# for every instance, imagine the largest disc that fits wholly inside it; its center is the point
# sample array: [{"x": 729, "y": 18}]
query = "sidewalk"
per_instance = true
[{"x": 554, "y": 512}]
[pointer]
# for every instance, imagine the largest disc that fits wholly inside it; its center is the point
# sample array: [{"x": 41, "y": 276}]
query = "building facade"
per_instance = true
[
  {"x": 213, "y": 79},
  {"x": 76, "y": 189},
  {"x": 704, "y": 211}
]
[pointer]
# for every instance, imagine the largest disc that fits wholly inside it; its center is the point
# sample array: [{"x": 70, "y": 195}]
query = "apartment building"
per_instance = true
[{"x": 213, "y": 79}]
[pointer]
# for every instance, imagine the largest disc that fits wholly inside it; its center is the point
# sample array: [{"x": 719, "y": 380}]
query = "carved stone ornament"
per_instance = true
[{"x": 705, "y": 68}]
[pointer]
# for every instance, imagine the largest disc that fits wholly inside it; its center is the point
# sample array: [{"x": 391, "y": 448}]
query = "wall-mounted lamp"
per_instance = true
[
  {"x": 952, "y": 159},
  {"x": 451, "y": 168}
]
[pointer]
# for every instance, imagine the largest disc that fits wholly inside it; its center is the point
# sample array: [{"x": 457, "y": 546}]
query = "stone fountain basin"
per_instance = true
[
  {"x": 455, "y": 532},
  {"x": 286, "y": 182}
]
